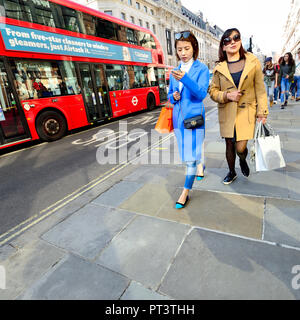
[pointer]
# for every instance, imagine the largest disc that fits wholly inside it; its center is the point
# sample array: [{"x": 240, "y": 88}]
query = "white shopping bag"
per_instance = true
[{"x": 268, "y": 154}]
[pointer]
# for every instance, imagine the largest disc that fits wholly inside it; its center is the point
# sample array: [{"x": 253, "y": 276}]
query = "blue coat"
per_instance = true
[{"x": 195, "y": 86}]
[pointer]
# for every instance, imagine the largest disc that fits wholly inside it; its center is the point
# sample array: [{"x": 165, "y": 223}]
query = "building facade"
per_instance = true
[
  {"x": 291, "y": 36},
  {"x": 164, "y": 18}
]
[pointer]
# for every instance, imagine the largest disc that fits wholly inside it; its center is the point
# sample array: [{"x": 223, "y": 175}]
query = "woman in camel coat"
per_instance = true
[{"x": 238, "y": 88}]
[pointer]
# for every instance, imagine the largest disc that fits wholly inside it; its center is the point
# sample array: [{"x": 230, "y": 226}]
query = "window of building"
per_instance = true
[
  {"x": 154, "y": 29},
  {"x": 147, "y": 25},
  {"x": 145, "y": 9},
  {"x": 132, "y": 19},
  {"x": 141, "y": 22},
  {"x": 138, "y": 6},
  {"x": 108, "y": 12},
  {"x": 40, "y": 79},
  {"x": 123, "y": 16},
  {"x": 130, "y": 2},
  {"x": 152, "y": 12},
  {"x": 169, "y": 42}
]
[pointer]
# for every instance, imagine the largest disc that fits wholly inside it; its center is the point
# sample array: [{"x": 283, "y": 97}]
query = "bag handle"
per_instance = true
[
  {"x": 269, "y": 129},
  {"x": 257, "y": 133},
  {"x": 169, "y": 104}
]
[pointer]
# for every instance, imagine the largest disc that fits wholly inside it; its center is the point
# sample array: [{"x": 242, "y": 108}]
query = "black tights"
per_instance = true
[{"x": 231, "y": 153}]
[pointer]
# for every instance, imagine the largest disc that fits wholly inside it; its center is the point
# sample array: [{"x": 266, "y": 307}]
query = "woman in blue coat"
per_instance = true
[{"x": 188, "y": 88}]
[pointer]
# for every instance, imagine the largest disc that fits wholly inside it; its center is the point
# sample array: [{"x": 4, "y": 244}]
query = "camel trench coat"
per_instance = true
[{"x": 240, "y": 115}]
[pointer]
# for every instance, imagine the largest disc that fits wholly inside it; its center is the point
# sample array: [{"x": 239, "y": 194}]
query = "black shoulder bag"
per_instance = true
[{"x": 194, "y": 122}]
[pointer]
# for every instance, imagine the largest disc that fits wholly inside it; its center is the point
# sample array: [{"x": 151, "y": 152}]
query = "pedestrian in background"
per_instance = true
[
  {"x": 286, "y": 77},
  {"x": 297, "y": 75},
  {"x": 188, "y": 88},
  {"x": 238, "y": 88},
  {"x": 269, "y": 72},
  {"x": 277, "y": 88}
]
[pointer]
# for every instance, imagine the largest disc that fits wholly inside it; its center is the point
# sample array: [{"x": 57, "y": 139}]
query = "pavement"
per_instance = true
[{"x": 123, "y": 239}]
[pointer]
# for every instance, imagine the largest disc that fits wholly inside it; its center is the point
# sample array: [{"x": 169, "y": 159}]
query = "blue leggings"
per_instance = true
[{"x": 190, "y": 174}]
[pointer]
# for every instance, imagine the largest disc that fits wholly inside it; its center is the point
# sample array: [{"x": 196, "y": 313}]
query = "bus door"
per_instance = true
[
  {"x": 102, "y": 89},
  {"x": 162, "y": 84},
  {"x": 12, "y": 119},
  {"x": 94, "y": 91}
]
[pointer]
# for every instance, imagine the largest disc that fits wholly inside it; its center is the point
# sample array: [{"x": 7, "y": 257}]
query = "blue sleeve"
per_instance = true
[
  {"x": 199, "y": 88},
  {"x": 171, "y": 91}
]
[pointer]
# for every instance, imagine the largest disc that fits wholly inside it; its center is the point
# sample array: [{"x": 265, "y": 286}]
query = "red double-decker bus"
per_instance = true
[{"x": 65, "y": 66}]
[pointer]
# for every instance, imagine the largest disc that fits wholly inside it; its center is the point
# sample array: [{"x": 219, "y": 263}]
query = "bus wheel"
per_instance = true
[
  {"x": 151, "y": 102},
  {"x": 51, "y": 126}
]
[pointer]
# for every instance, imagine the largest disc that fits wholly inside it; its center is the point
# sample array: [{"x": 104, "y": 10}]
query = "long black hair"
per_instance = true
[
  {"x": 291, "y": 60},
  {"x": 222, "y": 53}
]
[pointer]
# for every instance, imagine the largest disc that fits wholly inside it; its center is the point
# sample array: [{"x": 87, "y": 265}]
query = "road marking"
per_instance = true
[{"x": 40, "y": 216}]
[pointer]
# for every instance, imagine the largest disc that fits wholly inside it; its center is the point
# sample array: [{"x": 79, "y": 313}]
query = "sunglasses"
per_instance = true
[
  {"x": 183, "y": 35},
  {"x": 228, "y": 40}
]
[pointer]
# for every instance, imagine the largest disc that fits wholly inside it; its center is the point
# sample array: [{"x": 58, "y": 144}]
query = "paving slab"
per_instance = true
[
  {"x": 293, "y": 166},
  {"x": 225, "y": 212},
  {"x": 89, "y": 230},
  {"x": 293, "y": 183},
  {"x": 215, "y": 266},
  {"x": 282, "y": 222},
  {"x": 38, "y": 229},
  {"x": 27, "y": 265},
  {"x": 118, "y": 193},
  {"x": 153, "y": 174},
  {"x": 149, "y": 199},
  {"x": 137, "y": 291},
  {"x": 144, "y": 250},
  {"x": 215, "y": 147},
  {"x": 77, "y": 279},
  {"x": 271, "y": 183}
]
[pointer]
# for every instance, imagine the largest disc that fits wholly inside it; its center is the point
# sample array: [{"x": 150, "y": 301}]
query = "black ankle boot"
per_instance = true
[{"x": 243, "y": 163}]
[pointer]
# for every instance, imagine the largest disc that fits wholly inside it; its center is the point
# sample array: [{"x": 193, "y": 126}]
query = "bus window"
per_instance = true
[
  {"x": 16, "y": 9},
  {"x": 119, "y": 77},
  {"x": 89, "y": 23},
  {"x": 152, "y": 77},
  {"x": 122, "y": 34},
  {"x": 141, "y": 78},
  {"x": 106, "y": 29},
  {"x": 146, "y": 40},
  {"x": 41, "y": 79},
  {"x": 70, "y": 19},
  {"x": 132, "y": 36},
  {"x": 44, "y": 17}
]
